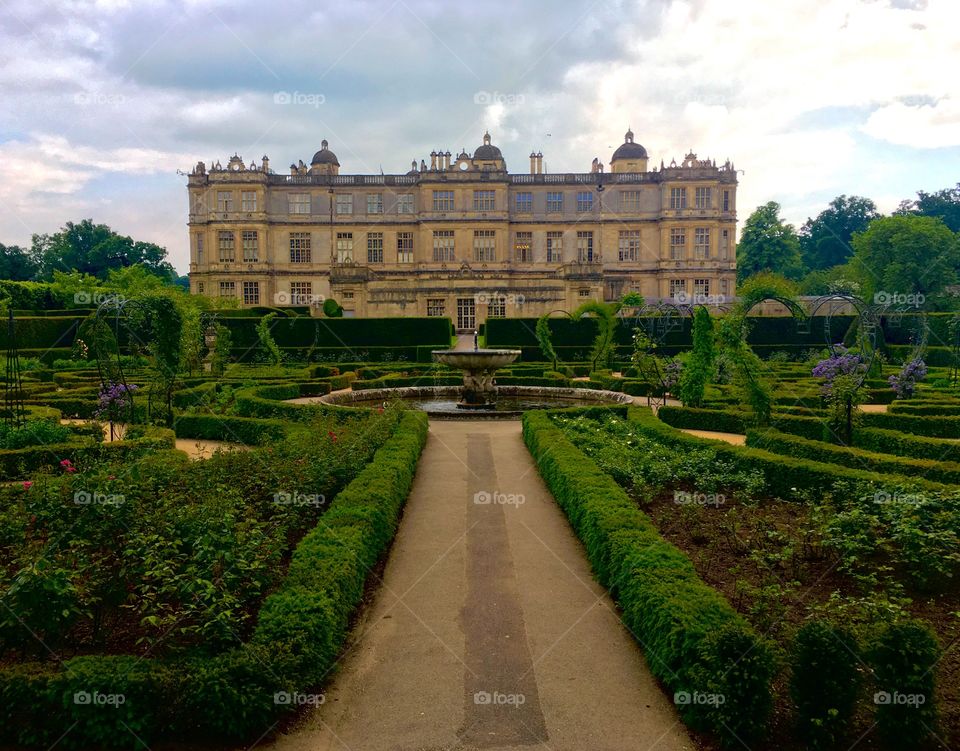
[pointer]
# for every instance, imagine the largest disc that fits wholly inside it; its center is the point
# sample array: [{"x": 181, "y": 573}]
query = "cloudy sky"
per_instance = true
[{"x": 104, "y": 101}]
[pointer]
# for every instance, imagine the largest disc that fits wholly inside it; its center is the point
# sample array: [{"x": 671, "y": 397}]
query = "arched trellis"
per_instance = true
[
  {"x": 656, "y": 321},
  {"x": 868, "y": 326},
  {"x": 110, "y": 318},
  {"x": 919, "y": 336}
]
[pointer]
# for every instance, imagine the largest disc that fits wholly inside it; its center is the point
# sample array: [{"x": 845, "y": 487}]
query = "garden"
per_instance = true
[{"x": 776, "y": 515}]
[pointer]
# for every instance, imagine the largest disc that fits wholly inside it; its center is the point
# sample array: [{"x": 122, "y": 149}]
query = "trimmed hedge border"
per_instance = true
[
  {"x": 904, "y": 444},
  {"x": 692, "y": 637},
  {"x": 230, "y": 697},
  {"x": 251, "y": 431}
]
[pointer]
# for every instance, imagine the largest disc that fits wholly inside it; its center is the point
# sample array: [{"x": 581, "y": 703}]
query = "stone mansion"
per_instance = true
[{"x": 461, "y": 236}]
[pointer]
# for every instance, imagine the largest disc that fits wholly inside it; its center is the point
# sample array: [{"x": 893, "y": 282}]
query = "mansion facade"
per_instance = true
[{"x": 462, "y": 237}]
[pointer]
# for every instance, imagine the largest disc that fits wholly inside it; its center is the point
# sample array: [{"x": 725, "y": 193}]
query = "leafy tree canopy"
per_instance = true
[
  {"x": 16, "y": 263},
  {"x": 825, "y": 240},
  {"x": 943, "y": 204},
  {"x": 768, "y": 244}
]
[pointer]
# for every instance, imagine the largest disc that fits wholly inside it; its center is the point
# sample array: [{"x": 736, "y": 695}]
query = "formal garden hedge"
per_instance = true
[{"x": 693, "y": 639}]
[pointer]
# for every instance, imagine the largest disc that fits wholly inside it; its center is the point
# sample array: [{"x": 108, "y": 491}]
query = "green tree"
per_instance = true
[
  {"x": 16, "y": 264},
  {"x": 768, "y": 244},
  {"x": 825, "y": 240},
  {"x": 95, "y": 249},
  {"x": 944, "y": 204},
  {"x": 332, "y": 309},
  {"x": 906, "y": 255}
]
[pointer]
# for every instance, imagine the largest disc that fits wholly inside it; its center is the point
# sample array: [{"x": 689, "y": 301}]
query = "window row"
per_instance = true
[
  {"x": 701, "y": 289},
  {"x": 702, "y": 198},
  {"x": 702, "y": 238}
]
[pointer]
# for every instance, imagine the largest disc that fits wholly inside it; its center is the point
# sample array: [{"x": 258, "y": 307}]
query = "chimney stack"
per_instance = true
[
  {"x": 539, "y": 162},
  {"x": 433, "y": 160},
  {"x": 533, "y": 162}
]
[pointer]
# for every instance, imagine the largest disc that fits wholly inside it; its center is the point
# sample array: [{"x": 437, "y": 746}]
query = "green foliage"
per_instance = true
[
  {"x": 543, "y": 339},
  {"x": 825, "y": 681},
  {"x": 16, "y": 264},
  {"x": 268, "y": 344},
  {"x": 825, "y": 240},
  {"x": 221, "y": 348},
  {"x": 903, "y": 658},
  {"x": 942, "y": 204},
  {"x": 906, "y": 255},
  {"x": 693, "y": 639},
  {"x": 603, "y": 345},
  {"x": 699, "y": 368},
  {"x": 332, "y": 309},
  {"x": 767, "y": 243},
  {"x": 32, "y": 433}
]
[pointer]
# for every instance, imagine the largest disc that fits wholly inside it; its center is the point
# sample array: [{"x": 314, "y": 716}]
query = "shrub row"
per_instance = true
[
  {"x": 904, "y": 444},
  {"x": 926, "y": 425},
  {"x": 693, "y": 638},
  {"x": 229, "y": 697},
  {"x": 947, "y": 473},
  {"x": 726, "y": 421},
  {"x": 251, "y": 431}
]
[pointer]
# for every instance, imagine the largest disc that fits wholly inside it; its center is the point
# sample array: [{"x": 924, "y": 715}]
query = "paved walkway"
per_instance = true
[
  {"x": 737, "y": 439},
  {"x": 488, "y": 631}
]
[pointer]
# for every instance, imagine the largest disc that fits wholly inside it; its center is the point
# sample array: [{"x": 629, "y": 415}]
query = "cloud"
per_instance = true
[{"x": 925, "y": 126}]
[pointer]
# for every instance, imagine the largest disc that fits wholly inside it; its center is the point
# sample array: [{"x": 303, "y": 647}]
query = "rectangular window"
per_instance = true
[
  {"x": 228, "y": 289},
  {"x": 724, "y": 243},
  {"x": 199, "y": 248},
  {"x": 300, "y": 249},
  {"x": 251, "y": 246},
  {"x": 248, "y": 200},
  {"x": 701, "y": 243},
  {"x": 375, "y": 203},
  {"x": 405, "y": 203},
  {"x": 348, "y": 295},
  {"x": 678, "y": 244},
  {"x": 225, "y": 241},
  {"x": 554, "y": 202},
  {"x": 724, "y": 287},
  {"x": 344, "y": 247},
  {"x": 484, "y": 246},
  {"x": 344, "y": 204},
  {"x": 298, "y": 203},
  {"x": 726, "y": 200},
  {"x": 629, "y": 245},
  {"x": 224, "y": 200},
  {"x": 443, "y": 249},
  {"x": 584, "y": 201},
  {"x": 497, "y": 307},
  {"x": 678, "y": 287},
  {"x": 524, "y": 203},
  {"x": 585, "y": 247},
  {"x": 584, "y": 292},
  {"x": 702, "y": 198},
  {"x": 301, "y": 293},
  {"x": 630, "y": 200},
  {"x": 404, "y": 247},
  {"x": 554, "y": 247},
  {"x": 701, "y": 288},
  {"x": 374, "y": 247},
  {"x": 678, "y": 198},
  {"x": 484, "y": 200},
  {"x": 201, "y": 288},
  {"x": 443, "y": 200},
  {"x": 251, "y": 293},
  {"x": 435, "y": 306},
  {"x": 523, "y": 247}
]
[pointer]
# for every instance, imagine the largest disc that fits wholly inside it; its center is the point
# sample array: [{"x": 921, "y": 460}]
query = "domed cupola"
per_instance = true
[
  {"x": 487, "y": 156},
  {"x": 325, "y": 162},
  {"x": 629, "y": 156}
]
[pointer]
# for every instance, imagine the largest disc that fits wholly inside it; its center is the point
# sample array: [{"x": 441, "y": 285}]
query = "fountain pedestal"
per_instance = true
[{"x": 479, "y": 366}]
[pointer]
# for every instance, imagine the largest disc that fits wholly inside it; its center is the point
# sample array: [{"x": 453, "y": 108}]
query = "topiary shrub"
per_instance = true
[
  {"x": 903, "y": 658},
  {"x": 824, "y": 682}
]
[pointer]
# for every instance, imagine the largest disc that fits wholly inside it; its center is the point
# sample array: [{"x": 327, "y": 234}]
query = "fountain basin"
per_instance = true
[{"x": 479, "y": 367}]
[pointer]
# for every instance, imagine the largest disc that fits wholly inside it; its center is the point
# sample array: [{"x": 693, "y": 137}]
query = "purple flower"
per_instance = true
[
  {"x": 905, "y": 382},
  {"x": 840, "y": 363}
]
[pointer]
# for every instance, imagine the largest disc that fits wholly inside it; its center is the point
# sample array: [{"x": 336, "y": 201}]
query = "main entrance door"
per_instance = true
[{"x": 466, "y": 314}]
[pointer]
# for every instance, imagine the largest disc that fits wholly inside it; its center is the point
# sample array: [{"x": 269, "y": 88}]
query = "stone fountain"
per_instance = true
[{"x": 479, "y": 366}]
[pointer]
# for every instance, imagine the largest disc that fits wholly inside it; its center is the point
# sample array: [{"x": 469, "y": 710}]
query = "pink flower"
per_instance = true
[
  {"x": 71, "y": 469},
  {"x": 333, "y": 436},
  {"x": 65, "y": 463},
  {"x": 27, "y": 484}
]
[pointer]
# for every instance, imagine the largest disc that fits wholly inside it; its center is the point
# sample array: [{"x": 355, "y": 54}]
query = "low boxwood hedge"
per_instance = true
[
  {"x": 249, "y": 430},
  {"x": 947, "y": 473},
  {"x": 229, "y": 697},
  {"x": 932, "y": 426},
  {"x": 905, "y": 444},
  {"x": 693, "y": 638}
]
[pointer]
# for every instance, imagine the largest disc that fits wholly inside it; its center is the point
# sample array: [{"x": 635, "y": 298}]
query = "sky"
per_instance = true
[{"x": 105, "y": 103}]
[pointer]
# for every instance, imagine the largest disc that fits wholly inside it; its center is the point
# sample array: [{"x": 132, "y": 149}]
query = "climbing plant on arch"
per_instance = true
[{"x": 603, "y": 344}]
